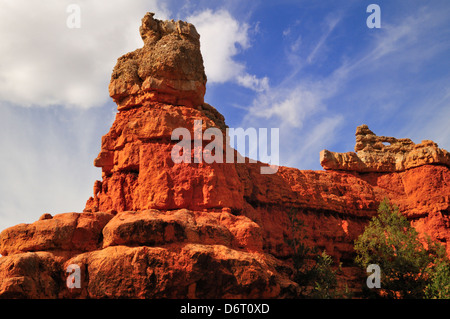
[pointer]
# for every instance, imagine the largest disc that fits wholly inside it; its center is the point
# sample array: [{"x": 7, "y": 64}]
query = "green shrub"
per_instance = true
[{"x": 408, "y": 269}]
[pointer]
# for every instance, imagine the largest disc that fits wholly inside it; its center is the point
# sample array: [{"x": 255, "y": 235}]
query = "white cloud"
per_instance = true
[
  {"x": 286, "y": 106},
  {"x": 222, "y": 37},
  {"x": 46, "y": 63},
  {"x": 253, "y": 82}
]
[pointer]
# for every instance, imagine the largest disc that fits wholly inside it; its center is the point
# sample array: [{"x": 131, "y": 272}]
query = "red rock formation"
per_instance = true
[
  {"x": 157, "y": 229},
  {"x": 384, "y": 154},
  {"x": 169, "y": 68}
]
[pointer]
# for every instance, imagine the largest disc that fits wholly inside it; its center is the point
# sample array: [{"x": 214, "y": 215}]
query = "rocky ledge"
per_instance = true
[{"x": 384, "y": 154}]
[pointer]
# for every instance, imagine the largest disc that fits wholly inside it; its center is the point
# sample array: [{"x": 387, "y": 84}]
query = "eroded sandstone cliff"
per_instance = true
[{"x": 156, "y": 229}]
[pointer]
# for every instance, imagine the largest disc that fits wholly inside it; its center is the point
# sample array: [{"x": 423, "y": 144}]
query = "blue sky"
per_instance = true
[{"x": 311, "y": 68}]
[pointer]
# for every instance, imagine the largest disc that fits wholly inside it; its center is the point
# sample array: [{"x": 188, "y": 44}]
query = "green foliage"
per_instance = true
[
  {"x": 439, "y": 285},
  {"x": 313, "y": 272},
  {"x": 324, "y": 277},
  {"x": 408, "y": 269}
]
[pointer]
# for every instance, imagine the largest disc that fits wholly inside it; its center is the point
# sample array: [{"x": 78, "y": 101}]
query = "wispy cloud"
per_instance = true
[
  {"x": 300, "y": 112},
  {"x": 409, "y": 41},
  {"x": 286, "y": 106},
  {"x": 253, "y": 82},
  {"x": 330, "y": 24},
  {"x": 222, "y": 39}
]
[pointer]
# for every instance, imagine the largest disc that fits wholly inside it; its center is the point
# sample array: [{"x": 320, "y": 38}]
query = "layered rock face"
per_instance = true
[{"x": 158, "y": 229}]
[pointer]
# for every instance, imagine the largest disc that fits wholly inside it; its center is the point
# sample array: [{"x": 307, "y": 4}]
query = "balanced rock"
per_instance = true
[{"x": 169, "y": 68}]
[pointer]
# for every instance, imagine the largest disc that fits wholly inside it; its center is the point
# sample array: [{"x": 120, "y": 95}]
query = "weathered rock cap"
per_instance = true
[
  {"x": 152, "y": 30},
  {"x": 168, "y": 69},
  {"x": 384, "y": 154}
]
